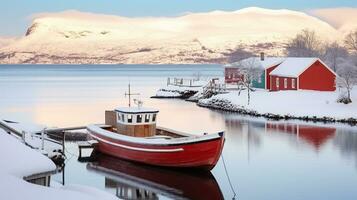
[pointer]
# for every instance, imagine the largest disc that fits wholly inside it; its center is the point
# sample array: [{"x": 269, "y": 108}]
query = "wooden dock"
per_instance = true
[
  {"x": 60, "y": 134},
  {"x": 183, "y": 82},
  {"x": 90, "y": 144}
]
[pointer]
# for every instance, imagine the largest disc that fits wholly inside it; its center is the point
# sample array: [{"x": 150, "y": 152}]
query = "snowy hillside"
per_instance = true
[
  {"x": 4, "y": 41},
  {"x": 76, "y": 37},
  {"x": 343, "y": 19}
]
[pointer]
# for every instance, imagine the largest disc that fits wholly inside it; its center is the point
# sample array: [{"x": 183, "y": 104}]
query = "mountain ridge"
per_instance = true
[{"x": 73, "y": 37}]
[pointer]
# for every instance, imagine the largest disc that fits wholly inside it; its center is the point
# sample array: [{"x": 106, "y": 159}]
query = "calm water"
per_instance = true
[{"x": 264, "y": 159}]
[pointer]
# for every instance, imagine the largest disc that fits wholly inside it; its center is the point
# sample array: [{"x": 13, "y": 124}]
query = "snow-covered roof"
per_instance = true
[
  {"x": 257, "y": 62},
  {"x": 293, "y": 66},
  {"x": 135, "y": 110}
]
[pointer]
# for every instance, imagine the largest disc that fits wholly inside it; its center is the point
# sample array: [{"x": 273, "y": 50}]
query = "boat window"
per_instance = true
[
  {"x": 154, "y": 117},
  {"x": 122, "y": 117},
  {"x": 130, "y": 118},
  {"x": 147, "y": 118},
  {"x": 118, "y": 117},
  {"x": 139, "y": 118}
]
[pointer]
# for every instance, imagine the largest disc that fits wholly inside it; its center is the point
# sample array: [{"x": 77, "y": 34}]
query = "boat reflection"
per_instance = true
[{"x": 136, "y": 181}]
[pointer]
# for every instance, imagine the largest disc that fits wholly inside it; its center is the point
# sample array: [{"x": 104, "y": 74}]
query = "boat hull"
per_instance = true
[{"x": 202, "y": 154}]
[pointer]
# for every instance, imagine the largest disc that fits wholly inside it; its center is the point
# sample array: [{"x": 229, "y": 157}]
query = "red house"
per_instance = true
[
  {"x": 233, "y": 75},
  {"x": 302, "y": 73}
]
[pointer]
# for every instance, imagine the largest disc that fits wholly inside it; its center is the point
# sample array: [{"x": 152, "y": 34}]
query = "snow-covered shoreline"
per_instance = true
[
  {"x": 20, "y": 161},
  {"x": 303, "y": 105},
  {"x": 182, "y": 92}
]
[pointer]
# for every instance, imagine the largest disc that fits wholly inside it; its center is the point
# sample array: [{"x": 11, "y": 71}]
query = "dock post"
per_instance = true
[
  {"x": 63, "y": 139},
  {"x": 43, "y": 139}
]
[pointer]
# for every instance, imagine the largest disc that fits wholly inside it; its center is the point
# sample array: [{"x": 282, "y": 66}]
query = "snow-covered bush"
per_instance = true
[{"x": 342, "y": 98}]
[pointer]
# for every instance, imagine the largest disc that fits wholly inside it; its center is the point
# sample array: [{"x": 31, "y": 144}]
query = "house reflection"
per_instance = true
[
  {"x": 136, "y": 181},
  {"x": 312, "y": 134}
]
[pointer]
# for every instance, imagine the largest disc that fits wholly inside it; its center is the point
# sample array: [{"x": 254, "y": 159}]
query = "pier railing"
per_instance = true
[{"x": 183, "y": 82}]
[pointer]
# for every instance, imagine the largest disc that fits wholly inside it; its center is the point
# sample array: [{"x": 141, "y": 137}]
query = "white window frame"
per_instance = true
[
  {"x": 277, "y": 82},
  {"x": 131, "y": 117},
  {"x": 285, "y": 83},
  {"x": 293, "y": 83}
]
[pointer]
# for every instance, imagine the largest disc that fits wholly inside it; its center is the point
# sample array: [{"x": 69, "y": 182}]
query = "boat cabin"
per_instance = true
[{"x": 133, "y": 121}]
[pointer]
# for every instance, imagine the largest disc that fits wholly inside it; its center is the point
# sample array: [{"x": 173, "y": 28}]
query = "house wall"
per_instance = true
[
  {"x": 232, "y": 75},
  {"x": 267, "y": 77},
  {"x": 317, "y": 77},
  {"x": 289, "y": 83},
  {"x": 260, "y": 83}
]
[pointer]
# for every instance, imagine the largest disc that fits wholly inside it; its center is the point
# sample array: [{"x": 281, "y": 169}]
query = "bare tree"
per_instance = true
[
  {"x": 334, "y": 55},
  {"x": 347, "y": 79},
  {"x": 305, "y": 44},
  {"x": 237, "y": 54},
  {"x": 351, "y": 41},
  {"x": 251, "y": 71}
]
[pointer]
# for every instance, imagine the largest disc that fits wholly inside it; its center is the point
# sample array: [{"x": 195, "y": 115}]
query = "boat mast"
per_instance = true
[{"x": 129, "y": 94}]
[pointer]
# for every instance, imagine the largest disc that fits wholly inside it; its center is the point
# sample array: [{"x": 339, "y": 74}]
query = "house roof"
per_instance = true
[
  {"x": 293, "y": 66},
  {"x": 257, "y": 62}
]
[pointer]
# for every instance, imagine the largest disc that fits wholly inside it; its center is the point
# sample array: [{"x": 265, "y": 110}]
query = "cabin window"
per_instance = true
[
  {"x": 122, "y": 117},
  {"x": 154, "y": 117},
  {"x": 130, "y": 118},
  {"x": 118, "y": 117},
  {"x": 285, "y": 82},
  {"x": 139, "y": 118},
  {"x": 147, "y": 118},
  {"x": 277, "y": 82},
  {"x": 293, "y": 83}
]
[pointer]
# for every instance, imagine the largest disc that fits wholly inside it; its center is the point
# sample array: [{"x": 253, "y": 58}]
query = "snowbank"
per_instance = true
[
  {"x": 19, "y": 160},
  {"x": 287, "y": 104},
  {"x": 172, "y": 91}
]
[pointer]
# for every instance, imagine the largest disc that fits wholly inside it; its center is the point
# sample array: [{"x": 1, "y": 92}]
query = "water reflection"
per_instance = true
[
  {"x": 135, "y": 181},
  {"x": 346, "y": 141},
  {"x": 313, "y": 135}
]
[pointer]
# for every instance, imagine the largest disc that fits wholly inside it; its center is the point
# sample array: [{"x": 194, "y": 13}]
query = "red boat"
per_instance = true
[{"x": 132, "y": 134}]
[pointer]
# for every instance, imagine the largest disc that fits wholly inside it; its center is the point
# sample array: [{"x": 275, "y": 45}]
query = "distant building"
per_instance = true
[
  {"x": 289, "y": 73},
  {"x": 233, "y": 71}
]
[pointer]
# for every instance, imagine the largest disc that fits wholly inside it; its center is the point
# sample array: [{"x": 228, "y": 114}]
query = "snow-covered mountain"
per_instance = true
[
  {"x": 4, "y": 41},
  {"x": 212, "y": 37}
]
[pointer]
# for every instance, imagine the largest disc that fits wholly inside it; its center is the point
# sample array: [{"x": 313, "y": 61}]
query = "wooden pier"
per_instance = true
[
  {"x": 58, "y": 133},
  {"x": 90, "y": 144},
  {"x": 183, "y": 82}
]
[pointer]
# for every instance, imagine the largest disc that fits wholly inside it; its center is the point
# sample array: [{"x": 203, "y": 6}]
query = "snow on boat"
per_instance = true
[{"x": 133, "y": 135}]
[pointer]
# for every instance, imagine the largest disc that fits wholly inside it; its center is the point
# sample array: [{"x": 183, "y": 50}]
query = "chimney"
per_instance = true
[{"x": 262, "y": 56}]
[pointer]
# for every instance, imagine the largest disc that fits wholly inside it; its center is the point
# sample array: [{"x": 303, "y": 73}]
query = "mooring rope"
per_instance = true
[{"x": 229, "y": 180}]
